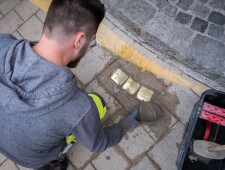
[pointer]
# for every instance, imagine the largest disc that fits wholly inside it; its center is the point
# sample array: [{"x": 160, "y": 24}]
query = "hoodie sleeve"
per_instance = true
[{"x": 92, "y": 135}]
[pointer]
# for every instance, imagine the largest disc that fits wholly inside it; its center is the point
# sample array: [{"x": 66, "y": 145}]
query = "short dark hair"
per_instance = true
[{"x": 74, "y": 15}]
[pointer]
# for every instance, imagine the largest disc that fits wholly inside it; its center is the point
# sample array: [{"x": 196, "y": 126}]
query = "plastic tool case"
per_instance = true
[{"x": 203, "y": 126}]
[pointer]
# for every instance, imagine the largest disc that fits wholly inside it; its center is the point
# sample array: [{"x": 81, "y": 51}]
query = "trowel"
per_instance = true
[
  {"x": 149, "y": 112},
  {"x": 209, "y": 149}
]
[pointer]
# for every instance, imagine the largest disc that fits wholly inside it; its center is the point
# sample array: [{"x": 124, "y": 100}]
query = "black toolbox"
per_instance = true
[{"x": 187, "y": 159}]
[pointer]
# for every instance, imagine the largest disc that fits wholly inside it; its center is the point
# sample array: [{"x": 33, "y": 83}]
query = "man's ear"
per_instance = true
[{"x": 79, "y": 40}]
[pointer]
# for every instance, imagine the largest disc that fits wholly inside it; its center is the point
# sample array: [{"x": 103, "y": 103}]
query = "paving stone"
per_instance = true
[
  {"x": 184, "y": 4},
  {"x": 165, "y": 152},
  {"x": 79, "y": 155},
  {"x": 144, "y": 51},
  {"x": 133, "y": 9},
  {"x": 170, "y": 10},
  {"x": 17, "y": 35},
  {"x": 7, "y": 5},
  {"x": 10, "y": 23},
  {"x": 123, "y": 36},
  {"x": 110, "y": 160},
  {"x": 22, "y": 168},
  {"x": 136, "y": 142},
  {"x": 217, "y": 18},
  {"x": 8, "y": 165},
  {"x": 92, "y": 64},
  {"x": 112, "y": 104},
  {"x": 143, "y": 164},
  {"x": 2, "y": 158},
  {"x": 170, "y": 34},
  {"x": 183, "y": 18},
  {"x": 89, "y": 167},
  {"x": 199, "y": 25},
  {"x": 200, "y": 10},
  {"x": 216, "y": 31},
  {"x": 206, "y": 55},
  {"x": 70, "y": 166},
  {"x": 159, "y": 3},
  {"x": 159, "y": 128},
  {"x": 107, "y": 23},
  {"x": 26, "y": 9},
  {"x": 31, "y": 29},
  {"x": 217, "y": 4},
  {"x": 41, "y": 15}
]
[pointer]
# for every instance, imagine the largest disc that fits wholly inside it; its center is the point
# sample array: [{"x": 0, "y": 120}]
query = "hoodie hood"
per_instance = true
[{"x": 30, "y": 85}]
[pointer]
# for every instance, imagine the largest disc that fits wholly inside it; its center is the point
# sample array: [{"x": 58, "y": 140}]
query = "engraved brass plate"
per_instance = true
[
  {"x": 119, "y": 77},
  {"x": 131, "y": 86},
  {"x": 145, "y": 94}
]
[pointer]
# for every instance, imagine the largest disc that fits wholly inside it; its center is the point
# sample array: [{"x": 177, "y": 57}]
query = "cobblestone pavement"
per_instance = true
[
  {"x": 148, "y": 147},
  {"x": 190, "y": 31}
]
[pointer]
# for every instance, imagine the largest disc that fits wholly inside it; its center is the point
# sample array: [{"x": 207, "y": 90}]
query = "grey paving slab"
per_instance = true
[
  {"x": 200, "y": 10},
  {"x": 217, "y": 4},
  {"x": 159, "y": 128},
  {"x": 136, "y": 142},
  {"x": 217, "y": 18},
  {"x": 89, "y": 167},
  {"x": 31, "y": 29},
  {"x": 10, "y": 23},
  {"x": 112, "y": 105},
  {"x": 7, "y": 5},
  {"x": 184, "y": 4},
  {"x": 183, "y": 18},
  {"x": 165, "y": 152},
  {"x": 170, "y": 10},
  {"x": 17, "y": 35},
  {"x": 166, "y": 30},
  {"x": 2, "y": 158},
  {"x": 216, "y": 31},
  {"x": 79, "y": 156},
  {"x": 144, "y": 164},
  {"x": 41, "y": 15},
  {"x": 111, "y": 159},
  {"x": 199, "y": 25},
  {"x": 8, "y": 165},
  {"x": 92, "y": 64},
  {"x": 26, "y": 9}
]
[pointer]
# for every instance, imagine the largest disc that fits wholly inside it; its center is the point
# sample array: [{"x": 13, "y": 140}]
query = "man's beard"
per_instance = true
[{"x": 82, "y": 52}]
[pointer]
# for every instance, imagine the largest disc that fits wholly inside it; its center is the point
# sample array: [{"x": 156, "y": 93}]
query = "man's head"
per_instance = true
[{"x": 75, "y": 23}]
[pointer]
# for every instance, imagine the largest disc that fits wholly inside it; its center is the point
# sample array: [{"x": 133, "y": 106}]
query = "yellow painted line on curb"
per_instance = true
[{"x": 111, "y": 41}]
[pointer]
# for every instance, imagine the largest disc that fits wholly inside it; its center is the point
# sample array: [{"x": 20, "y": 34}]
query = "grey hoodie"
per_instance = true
[{"x": 41, "y": 104}]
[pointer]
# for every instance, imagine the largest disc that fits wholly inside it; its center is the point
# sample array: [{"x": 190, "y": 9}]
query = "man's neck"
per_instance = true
[{"x": 50, "y": 51}]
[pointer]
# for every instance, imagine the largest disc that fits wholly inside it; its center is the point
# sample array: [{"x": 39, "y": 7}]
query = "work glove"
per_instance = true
[{"x": 130, "y": 122}]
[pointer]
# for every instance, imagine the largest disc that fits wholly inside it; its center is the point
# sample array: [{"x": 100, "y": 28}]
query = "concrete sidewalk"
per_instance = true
[
  {"x": 151, "y": 147},
  {"x": 188, "y": 31}
]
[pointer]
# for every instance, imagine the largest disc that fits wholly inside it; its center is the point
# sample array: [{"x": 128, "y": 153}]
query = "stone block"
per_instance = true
[
  {"x": 159, "y": 3},
  {"x": 170, "y": 10},
  {"x": 92, "y": 64},
  {"x": 143, "y": 164},
  {"x": 217, "y": 18},
  {"x": 203, "y": 1},
  {"x": 10, "y": 23},
  {"x": 7, "y": 5},
  {"x": 216, "y": 31},
  {"x": 41, "y": 15},
  {"x": 184, "y": 4},
  {"x": 219, "y": 4},
  {"x": 8, "y": 165},
  {"x": 179, "y": 100},
  {"x": 212, "y": 53},
  {"x": 26, "y": 9},
  {"x": 165, "y": 34},
  {"x": 31, "y": 29},
  {"x": 17, "y": 35},
  {"x": 200, "y": 10},
  {"x": 159, "y": 128},
  {"x": 112, "y": 104},
  {"x": 131, "y": 10},
  {"x": 79, "y": 155},
  {"x": 165, "y": 152},
  {"x": 183, "y": 18},
  {"x": 2, "y": 158},
  {"x": 136, "y": 142},
  {"x": 123, "y": 36},
  {"x": 111, "y": 159},
  {"x": 199, "y": 25}
]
